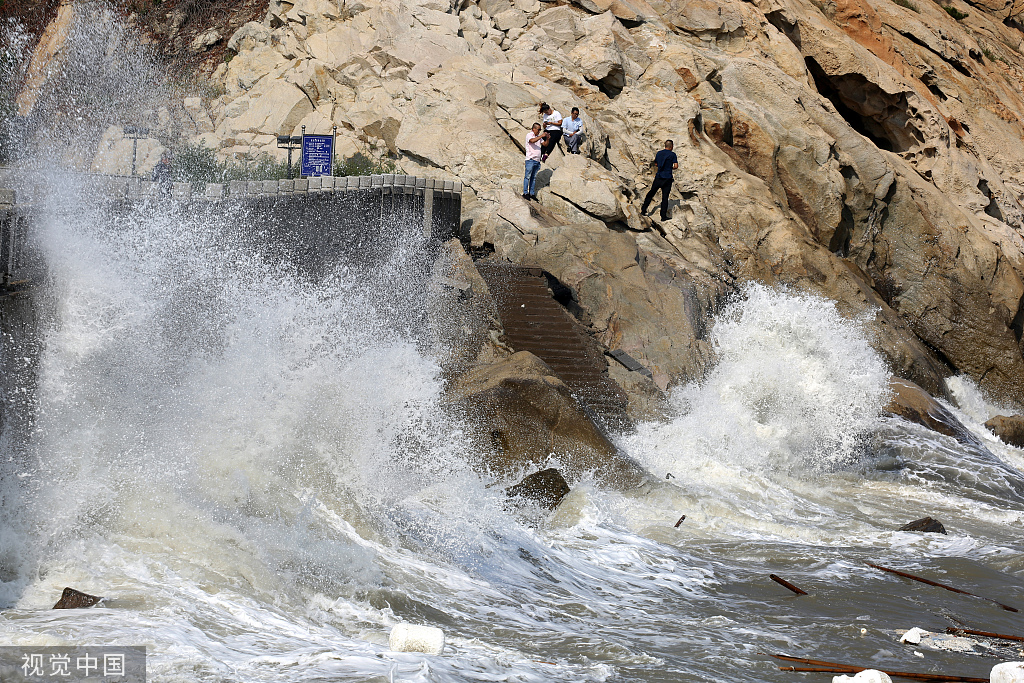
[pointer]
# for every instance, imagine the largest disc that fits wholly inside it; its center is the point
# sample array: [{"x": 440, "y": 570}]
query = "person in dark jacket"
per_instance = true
[
  {"x": 665, "y": 161},
  {"x": 162, "y": 173}
]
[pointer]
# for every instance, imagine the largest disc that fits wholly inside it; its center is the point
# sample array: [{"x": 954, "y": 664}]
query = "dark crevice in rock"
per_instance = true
[
  {"x": 611, "y": 85},
  {"x": 715, "y": 79},
  {"x": 932, "y": 83},
  {"x": 993, "y": 206},
  {"x": 840, "y": 242},
  {"x": 955, "y": 63},
  {"x": 1017, "y": 325},
  {"x": 881, "y": 117},
  {"x": 779, "y": 20},
  {"x": 566, "y": 298}
]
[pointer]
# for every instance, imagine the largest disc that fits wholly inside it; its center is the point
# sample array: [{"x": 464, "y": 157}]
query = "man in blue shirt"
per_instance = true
[
  {"x": 572, "y": 130},
  {"x": 665, "y": 160}
]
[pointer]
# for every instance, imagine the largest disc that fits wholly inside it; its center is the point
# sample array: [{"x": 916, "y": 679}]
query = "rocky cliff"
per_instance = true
[{"x": 869, "y": 151}]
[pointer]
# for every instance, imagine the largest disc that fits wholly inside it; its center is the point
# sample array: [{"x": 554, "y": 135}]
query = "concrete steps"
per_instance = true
[{"x": 535, "y": 322}]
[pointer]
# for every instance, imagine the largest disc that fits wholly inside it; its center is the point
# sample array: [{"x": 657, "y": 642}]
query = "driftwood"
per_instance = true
[
  {"x": 987, "y": 634},
  {"x": 786, "y": 584},
  {"x": 940, "y": 585},
  {"x": 819, "y": 666}
]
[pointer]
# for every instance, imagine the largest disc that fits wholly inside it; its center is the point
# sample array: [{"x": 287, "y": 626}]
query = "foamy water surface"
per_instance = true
[{"x": 258, "y": 473}]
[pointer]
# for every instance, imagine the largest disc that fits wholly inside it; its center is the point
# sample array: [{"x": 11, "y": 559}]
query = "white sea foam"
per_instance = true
[{"x": 796, "y": 387}]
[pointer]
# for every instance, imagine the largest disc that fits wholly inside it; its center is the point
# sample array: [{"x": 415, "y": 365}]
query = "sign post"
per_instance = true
[{"x": 317, "y": 155}]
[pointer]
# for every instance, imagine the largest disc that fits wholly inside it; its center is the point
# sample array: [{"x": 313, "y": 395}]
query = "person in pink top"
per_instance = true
[{"x": 534, "y": 140}]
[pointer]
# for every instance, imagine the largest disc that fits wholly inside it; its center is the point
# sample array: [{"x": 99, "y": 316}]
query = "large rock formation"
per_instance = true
[
  {"x": 867, "y": 151},
  {"x": 528, "y": 416}
]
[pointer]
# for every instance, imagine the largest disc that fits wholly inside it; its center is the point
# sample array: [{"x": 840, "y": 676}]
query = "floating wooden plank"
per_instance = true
[
  {"x": 929, "y": 582},
  {"x": 786, "y": 584}
]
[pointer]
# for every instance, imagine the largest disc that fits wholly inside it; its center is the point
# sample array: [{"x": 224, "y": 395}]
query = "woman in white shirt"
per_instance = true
[{"x": 553, "y": 127}]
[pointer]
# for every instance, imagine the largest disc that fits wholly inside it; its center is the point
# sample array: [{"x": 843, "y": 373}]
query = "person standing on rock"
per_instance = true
[
  {"x": 572, "y": 129},
  {"x": 534, "y": 141},
  {"x": 162, "y": 174},
  {"x": 553, "y": 128},
  {"x": 665, "y": 161}
]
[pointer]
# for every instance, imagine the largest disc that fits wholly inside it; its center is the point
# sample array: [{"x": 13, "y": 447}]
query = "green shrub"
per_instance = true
[
  {"x": 196, "y": 165},
  {"x": 199, "y": 165},
  {"x": 360, "y": 164},
  {"x": 908, "y": 4},
  {"x": 993, "y": 57},
  {"x": 954, "y": 12}
]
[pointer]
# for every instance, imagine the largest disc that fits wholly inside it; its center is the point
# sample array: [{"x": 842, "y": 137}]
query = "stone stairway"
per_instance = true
[{"x": 535, "y": 322}]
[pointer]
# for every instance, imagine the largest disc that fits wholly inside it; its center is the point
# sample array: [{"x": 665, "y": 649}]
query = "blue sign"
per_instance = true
[{"x": 317, "y": 155}]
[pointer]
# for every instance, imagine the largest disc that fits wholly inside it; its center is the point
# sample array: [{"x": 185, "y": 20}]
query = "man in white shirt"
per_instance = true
[
  {"x": 533, "y": 141},
  {"x": 553, "y": 128},
  {"x": 572, "y": 128}
]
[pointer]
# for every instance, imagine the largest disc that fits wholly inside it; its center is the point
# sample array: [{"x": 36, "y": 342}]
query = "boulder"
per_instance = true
[
  {"x": 509, "y": 19},
  {"x": 590, "y": 187},
  {"x": 562, "y": 25},
  {"x": 248, "y": 36},
  {"x": 545, "y": 489},
  {"x": 75, "y": 599},
  {"x": 204, "y": 41},
  {"x": 525, "y": 417},
  {"x": 926, "y": 525},
  {"x": 629, "y": 11},
  {"x": 276, "y": 110},
  {"x": 706, "y": 16},
  {"x": 198, "y": 114},
  {"x": 1009, "y": 429},
  {"x": 914, "y": 404}
]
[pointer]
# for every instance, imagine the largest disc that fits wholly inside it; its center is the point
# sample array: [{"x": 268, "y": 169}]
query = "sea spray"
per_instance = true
[{"x": 795, "y": 387}]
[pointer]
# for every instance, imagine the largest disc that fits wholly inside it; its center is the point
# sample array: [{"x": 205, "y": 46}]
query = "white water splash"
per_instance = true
[{"x": 796, "y": 386}]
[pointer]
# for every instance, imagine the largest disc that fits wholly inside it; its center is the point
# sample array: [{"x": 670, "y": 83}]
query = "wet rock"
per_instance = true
[
  {"x": 546, "y": 488},
  {"x": 926, "y": 525},
  {"x": 913, "y": 404},
  {"x": 524, "y": 415},
  {"x": 1009, "y": 429},
  {"x": 74, "y": 599}
]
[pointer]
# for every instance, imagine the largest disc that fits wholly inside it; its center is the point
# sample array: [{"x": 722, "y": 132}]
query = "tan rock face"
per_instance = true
[{"x": 859, "y": 150}]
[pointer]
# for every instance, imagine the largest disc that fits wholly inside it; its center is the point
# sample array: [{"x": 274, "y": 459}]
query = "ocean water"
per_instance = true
[{"x": 257, "y": 470}]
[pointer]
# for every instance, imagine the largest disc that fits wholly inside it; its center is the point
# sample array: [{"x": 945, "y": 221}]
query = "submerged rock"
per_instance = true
[
  {"x": 546, "y": 488},
  {"x": 926, "y": 525},
  {"x": 1009, "y": 429},
  {"x": 74, "y": 599}
]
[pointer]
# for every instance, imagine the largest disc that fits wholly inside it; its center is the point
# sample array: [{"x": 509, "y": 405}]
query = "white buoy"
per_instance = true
[
  {"x": 1007, "y": 672},
  {"x": 413, "y": 638},
  {"x": 865, "y": 676}
]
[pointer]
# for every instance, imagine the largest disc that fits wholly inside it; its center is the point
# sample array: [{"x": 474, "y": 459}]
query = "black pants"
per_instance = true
[
  {"x": 553, "y": 137},
  {"x": 665, "y": 185}
]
